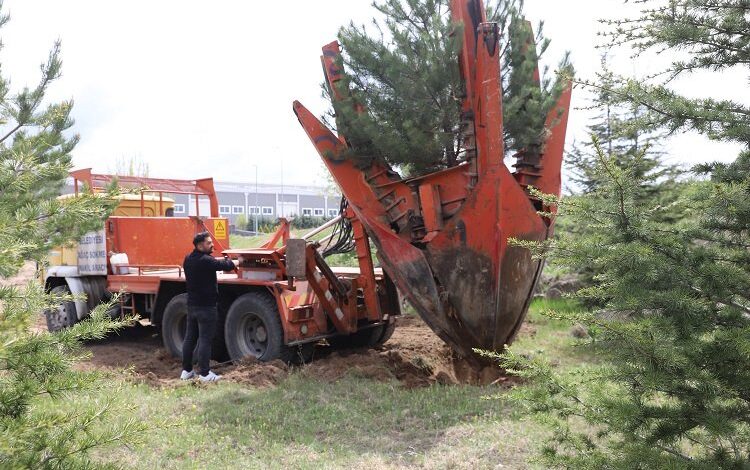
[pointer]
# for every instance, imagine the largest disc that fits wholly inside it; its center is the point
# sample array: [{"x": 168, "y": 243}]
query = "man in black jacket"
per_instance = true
[{"x": 203, "y": 292}]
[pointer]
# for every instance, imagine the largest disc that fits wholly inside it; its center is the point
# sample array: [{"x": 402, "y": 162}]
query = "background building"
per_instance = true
[{"x": 270, "y": 201}]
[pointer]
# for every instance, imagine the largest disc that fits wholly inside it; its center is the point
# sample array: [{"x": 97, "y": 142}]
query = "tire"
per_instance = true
[
  {"x": 253, "y": 329},
  {"x": 114, "y": 311},
  {"x": 65, "y": 315},
  {"x": 388, "y": 330},
  {"x": 367, "y": 338},
  {"x": 174, "y": 325},
  {"x": 174, "y": 328}
]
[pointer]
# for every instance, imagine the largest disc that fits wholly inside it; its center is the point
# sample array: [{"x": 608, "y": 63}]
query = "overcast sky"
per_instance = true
[{"x": 202, "y": 89}]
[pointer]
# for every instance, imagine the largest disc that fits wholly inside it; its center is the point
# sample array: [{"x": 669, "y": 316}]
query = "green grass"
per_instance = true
[
  {"x": 305, "y": 423},
  {"x": 354, "y": 422},
  {"x": 551, "y": 337},
  {"x": 241, "y": 241}
]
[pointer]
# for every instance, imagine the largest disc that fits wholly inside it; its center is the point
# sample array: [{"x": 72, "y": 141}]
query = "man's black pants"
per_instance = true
[{"x": 201, "y": 328}]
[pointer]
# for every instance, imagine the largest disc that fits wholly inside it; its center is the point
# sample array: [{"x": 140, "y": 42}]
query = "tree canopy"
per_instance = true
[{"x": 404, "y": 69}]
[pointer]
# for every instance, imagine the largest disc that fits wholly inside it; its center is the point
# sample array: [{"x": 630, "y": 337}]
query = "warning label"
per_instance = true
[{"x": 220, "y": 228}]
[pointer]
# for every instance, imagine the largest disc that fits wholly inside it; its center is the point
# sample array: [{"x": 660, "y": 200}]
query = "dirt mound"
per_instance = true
[
  {"x": 256, "y": 373},
  {"x": 414, "y": 357},
  {"x": 22, "y": 277},
  {"x": 418, "y": 357},
  {"x": 138, "y": 350}
]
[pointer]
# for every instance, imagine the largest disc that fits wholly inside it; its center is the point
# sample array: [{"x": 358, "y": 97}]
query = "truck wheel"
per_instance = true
[
  {"x": 174, "y": 325},
  {"x": 304, "y": 353},
  {"x": 253, "y": 328},
  {"x": 174, "y": 328},
  {"x": 387, "y": 331},
  {"x": 64, "y": 315}
]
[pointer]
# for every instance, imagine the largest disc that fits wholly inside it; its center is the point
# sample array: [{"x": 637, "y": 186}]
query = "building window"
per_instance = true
[
  {"x": 318, "y": 212},
  {"x": 254, "y": 209},
  {"x": 179, "y": 208},
  {"x": 306, "y": 212},
  {"x": 333, "y": 212},
  {"x": 225, "y": 210},
  {"x": 238, "y": 209},
  {"x": 268, "y": 211}
]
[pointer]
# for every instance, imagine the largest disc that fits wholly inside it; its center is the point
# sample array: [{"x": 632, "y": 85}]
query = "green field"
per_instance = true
[{"x": 354, "y": 422}]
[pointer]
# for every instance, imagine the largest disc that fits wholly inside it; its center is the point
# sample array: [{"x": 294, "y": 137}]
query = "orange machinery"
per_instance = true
[
  {"x": 280, "y": 301},
  {"x": 443, "y": 237},
  {"x": 143, "y": 233}
]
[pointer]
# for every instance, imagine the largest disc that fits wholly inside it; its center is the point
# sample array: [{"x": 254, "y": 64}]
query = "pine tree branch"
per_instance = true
[
  {"x": 49, "y": 74},
  {"x": 549, "y": 379},
  {"x": 11, "y": 132},
  {"x": 725, "y": 302},
  {"x": 621, "y": 190},
  {"x": 124, "y": 434},
  {"x": 680, "y": 119}
]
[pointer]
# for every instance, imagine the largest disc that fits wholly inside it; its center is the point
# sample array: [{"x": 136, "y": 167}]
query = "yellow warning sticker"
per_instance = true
[{"x": 220, "y": 228}]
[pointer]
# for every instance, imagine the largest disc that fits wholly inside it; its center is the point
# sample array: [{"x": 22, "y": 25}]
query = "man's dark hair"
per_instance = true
[{"x": 200, "y": 238}]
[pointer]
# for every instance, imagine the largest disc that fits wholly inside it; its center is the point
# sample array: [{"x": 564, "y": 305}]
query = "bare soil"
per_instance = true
[
  {"x": 24, "y": 275},
  {"x": 414, "y": 357}
]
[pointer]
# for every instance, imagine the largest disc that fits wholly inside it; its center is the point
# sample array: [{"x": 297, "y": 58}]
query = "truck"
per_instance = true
[{"x": 280, "y": 301}]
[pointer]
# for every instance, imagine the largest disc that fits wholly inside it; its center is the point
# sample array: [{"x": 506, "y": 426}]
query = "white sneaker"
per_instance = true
[
  {"x": 210, "y": 377},
  {"x": 187, "y": 375}
]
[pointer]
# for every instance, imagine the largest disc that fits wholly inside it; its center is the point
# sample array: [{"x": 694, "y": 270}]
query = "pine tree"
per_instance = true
[
  {"x": 617, "y": 128},
  {"x": 630, "y": 144},
  {"x": 671, "y": 389},
  {"x": 407, "y": 77},
  {"x": 35, "y": 147},
  {"x": 528, "y": 95},
  {"x": 708, "y": 35}
]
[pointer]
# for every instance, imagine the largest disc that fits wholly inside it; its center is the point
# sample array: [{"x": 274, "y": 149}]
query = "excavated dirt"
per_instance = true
[
  {"x": 24, "y": 275},
  {"x": 414, "y": 357}
]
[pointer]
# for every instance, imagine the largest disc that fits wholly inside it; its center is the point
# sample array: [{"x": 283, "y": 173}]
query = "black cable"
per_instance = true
[{"x": 342, "y": 237}]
